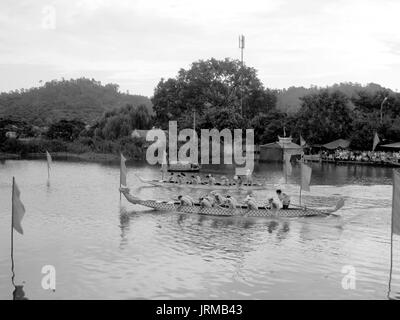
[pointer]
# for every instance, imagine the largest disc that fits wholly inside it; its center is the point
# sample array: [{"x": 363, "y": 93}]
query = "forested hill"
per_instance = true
[
  {"x": 288, "y": 100},
  {"x": 82, "y": 98}
]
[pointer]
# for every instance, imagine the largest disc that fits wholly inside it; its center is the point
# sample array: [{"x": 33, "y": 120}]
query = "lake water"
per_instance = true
[{"x": 102, "y": 248}]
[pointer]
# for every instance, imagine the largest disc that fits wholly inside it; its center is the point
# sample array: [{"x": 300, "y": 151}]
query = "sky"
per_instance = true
[{"x": 135, "y": 43}]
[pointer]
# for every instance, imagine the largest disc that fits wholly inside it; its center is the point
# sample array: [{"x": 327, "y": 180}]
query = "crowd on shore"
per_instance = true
[{"x": 362, "y": 156}]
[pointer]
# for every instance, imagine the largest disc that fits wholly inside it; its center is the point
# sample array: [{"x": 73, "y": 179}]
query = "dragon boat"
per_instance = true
[
  {"x": 241, "y": 210},
  {"x": 163, "y": 183}
]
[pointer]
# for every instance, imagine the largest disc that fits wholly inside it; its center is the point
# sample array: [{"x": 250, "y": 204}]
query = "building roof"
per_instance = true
[
  {"x": 339, "y": 143},
  {"x": 282, "y": 143}
]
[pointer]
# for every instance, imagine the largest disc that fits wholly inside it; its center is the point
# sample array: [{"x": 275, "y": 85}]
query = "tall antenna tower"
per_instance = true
[{"x": 241, "y": 47}]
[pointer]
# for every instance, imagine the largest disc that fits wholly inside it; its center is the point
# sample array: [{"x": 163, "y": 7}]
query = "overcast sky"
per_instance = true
[{"x": 135, "y": 43}]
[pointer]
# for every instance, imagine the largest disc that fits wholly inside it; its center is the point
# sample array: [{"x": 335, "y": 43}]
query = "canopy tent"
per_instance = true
[
  {"x": 395, "y": 145},
  {"x": 274, "y": 151},
  {"x": 340, "y": 143}
]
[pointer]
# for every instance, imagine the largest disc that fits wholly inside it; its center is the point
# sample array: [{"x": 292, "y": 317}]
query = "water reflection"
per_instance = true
[
  {"x": 18, "y": 293},
  {"x": 124, "y": 221}
]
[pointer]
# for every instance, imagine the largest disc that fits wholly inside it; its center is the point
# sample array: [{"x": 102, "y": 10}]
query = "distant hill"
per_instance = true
[
  {"x": 82, "y": 98},
  {"x": 288, "y": 100}
]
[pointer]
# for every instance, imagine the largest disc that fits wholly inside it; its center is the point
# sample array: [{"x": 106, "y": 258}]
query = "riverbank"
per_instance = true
[
  {"x": 87, "y": 156},
  {"x": 9, "y": 156}
]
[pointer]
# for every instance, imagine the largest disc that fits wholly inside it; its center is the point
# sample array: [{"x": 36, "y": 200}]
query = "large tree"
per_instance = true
[
  {"x": 208, "y": 85},
  {"x": 324, "y": 116}
]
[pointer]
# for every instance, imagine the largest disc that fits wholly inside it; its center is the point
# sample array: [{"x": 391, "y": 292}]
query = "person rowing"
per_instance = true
[
  {"x": 179, "y": 179},
  {"x": 211, "y": 180},
  {"x": 211, "y": 199},
  {"x": 198, "y": 179},
  {"x": 272, "y": 205},
  {"x": 284, "y": 198},
  {"x": 219, "y": 199},
  {"x": 171, "y": 178},
  {"x": 205, "y": 202},
  {"x": 251, "y": 202},
  {"x": 224, "y": 181},
  {"x": 231, "y": 202},
  {"x": 185, "y": 200}
]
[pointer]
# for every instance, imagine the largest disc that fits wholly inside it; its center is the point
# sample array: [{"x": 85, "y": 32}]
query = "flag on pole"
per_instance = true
[
  {"x": 376, "y": 141},
  {"x": 288, "y": 165},
  {"x": 49, "y": 160},
  {"x": 18, "y": 209},
  {"x": 396, "y": 203},
  {"x": 123, "y": 171},
  {"x": 302, "y": 141},
  {"x": 305, "y": 177}
]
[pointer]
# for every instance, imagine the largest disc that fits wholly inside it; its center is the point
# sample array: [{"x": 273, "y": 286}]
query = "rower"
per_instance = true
[
  {"x": 171, "y": 178},
  {"x": 284, "y": 198},
  {"x": 272, "y": 204},
  {"x": 224, "y": 181},
  {"x": 211, "y": 199},
  {"x": 211, "y": 180},
  {"x": 231, "y": 202},
  {"x": 193, "y": 180},
  {"x": 219, "y": 199},
  {"x": 198, "y": 179},
  {"x": 185, "y": 200},
  {"x": 179, "y": 179},
  {"x": 204, "y": 202},
  {"x": 251, "y": 203}
]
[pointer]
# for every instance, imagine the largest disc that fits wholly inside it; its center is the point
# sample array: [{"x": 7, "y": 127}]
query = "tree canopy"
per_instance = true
[
  {"x": 82, "y": 98},
  {"x": 211, "y": 86}
]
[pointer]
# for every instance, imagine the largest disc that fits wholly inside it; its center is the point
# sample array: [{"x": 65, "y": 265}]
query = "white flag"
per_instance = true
[
  {"x": 302, "y": 141},
  {"x": 288, "y": 165},
  {"x": 396, "y": 203},
  {"x": 123, "y": 171},
  {"x": 305, "y": 177},
  {"x": 18, "y": 209},
  {"x": 376, "y": 141},
  {"x": 49, "y": 160}
]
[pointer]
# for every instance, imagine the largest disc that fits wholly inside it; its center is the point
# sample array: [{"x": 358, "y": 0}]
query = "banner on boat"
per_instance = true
[
  {"x": 18, "y": 209},
  {"x": 305, "y": 177},
  {"x": 288, "y": 165},
  {"x": 376, "y": 141}
]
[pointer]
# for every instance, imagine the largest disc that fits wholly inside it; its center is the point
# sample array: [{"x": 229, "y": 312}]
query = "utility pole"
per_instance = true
[{"x": 241, "y": 47}]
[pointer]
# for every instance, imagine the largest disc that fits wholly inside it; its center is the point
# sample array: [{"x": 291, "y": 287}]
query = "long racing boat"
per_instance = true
[
  {"x": 163, "y": 183},
  {"x": 242, "y": 210}
]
